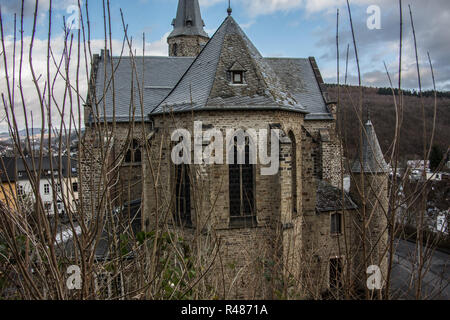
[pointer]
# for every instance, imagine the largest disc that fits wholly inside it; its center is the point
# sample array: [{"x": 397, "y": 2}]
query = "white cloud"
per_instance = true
[
  {"x": 209, "y": 3},
  {"x": 248, "y": 24},
  {"x": 377, "y": 46},
  {"x": 256, "y": 8},
  {"x": 159, "y": 47},
  {"x": 58, "y": 84},
  {"x": 15, "y": 6},
  {"x": 261, "y": 7}
]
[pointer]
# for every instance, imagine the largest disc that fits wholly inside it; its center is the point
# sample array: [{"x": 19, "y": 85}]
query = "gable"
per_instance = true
[
  {"x": 252, "y": 92},
  {"x": 237, "y": 67}
]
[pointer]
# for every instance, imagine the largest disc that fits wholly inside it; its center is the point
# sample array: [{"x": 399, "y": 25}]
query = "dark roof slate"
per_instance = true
[
  {"x": 298, "y": 76},
  {"x": 7, "y": 169},
  {"x": 192, "y": 90},
  {"x": 372, "y": 156},
  {"x": 160, "y": 75},
  {"x": 66, "y": 171},
  {"x": 329, "y": 198}
]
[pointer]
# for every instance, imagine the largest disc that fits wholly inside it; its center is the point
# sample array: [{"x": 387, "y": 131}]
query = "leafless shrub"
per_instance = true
[{"x": 166, "y": 262}]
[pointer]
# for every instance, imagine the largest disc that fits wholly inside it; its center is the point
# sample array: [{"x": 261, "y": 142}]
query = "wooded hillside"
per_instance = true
[{"x": 382, "y": 112}]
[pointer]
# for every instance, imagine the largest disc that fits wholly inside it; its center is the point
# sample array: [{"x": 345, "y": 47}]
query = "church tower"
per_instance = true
[
  {"x": 188, "y": 36},
  {"x": 369, "y": 189}
]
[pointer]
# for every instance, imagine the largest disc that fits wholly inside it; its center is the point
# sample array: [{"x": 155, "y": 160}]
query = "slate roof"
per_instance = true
[
  {"x": 189, "y": 20},
  {"x": 170, "y": 82},
  {"x": 65, "y": 170},
  {"x": 161, "y": 74},
  {"x": 7, "y": 170},
  {"x": 194, "y": 89},
  {"x": 298, "y": 76},
  {"x": 372, "y": 156},
  {"x": 329, "y": 198}
]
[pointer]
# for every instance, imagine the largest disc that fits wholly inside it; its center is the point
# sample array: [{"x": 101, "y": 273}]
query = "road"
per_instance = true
[{"x": 435, "y": 279}]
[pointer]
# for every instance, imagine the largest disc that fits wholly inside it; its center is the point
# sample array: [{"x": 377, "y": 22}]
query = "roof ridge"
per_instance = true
[
  {"x": 149, "y": 57},
  {"x": 215, "y": 69},
  {"x": 286, "y": 58},
  {"x": 265, "y": 70}
]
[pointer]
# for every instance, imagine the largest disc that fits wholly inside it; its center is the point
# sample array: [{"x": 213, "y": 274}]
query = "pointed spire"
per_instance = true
[
  {"x": 229, "y": 10},
  {"x": 372, "y": 157},
  {"x": 189, "y": 20}
]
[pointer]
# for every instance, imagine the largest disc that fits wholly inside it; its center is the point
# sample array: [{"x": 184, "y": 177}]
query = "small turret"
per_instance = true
[
  {"x": 372, "y": 156},
  {"x": 188, "y": 36},
  {"x": 369, "y": 189}
]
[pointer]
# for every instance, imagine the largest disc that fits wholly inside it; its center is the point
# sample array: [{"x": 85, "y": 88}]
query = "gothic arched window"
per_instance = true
[
  {"x": 241, "y": 188},
  {"x": 134, "y": 153}
]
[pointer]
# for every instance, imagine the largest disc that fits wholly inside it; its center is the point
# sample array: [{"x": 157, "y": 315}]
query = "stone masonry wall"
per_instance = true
[
  {"x": 186, "y": 46},
  {"x": 373, "y": 205},
  {"x": 328, "y": 150},
  {"x": 123, "y": 181},
  {"x": 284, "y": 244},
  {"x": 247, "y": 251}
]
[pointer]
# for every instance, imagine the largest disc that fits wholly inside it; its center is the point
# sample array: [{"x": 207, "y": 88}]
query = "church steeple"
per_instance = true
[{"x": 188, "y": 36}]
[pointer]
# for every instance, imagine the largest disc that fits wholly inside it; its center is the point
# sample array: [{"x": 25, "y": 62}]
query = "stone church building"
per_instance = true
[{"x": 292, "y": 234}]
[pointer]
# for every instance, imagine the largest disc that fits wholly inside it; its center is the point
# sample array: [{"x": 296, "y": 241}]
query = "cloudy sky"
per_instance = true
[{"x": 278, "y": 28}]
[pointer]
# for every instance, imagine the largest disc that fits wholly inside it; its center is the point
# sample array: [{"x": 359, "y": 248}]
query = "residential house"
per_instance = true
[{"x": 58, "y": 182}]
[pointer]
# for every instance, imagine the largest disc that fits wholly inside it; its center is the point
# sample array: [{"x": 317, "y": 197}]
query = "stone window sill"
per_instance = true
[
  {"x": 183, "y": 224},
  {"x": 134, "y": 164},
  {"x": 336, "y": 235},
  {"x": 238, "y": 84},
  {"x": 243, "y": 222}
]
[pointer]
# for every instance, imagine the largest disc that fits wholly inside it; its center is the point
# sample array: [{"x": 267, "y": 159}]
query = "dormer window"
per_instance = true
[
  {"x": 237, "y": 73},
  {"x": 238, "y": 77}
]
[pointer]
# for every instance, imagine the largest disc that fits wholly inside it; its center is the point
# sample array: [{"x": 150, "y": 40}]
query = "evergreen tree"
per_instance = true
[{"x": 436, "y": 157}]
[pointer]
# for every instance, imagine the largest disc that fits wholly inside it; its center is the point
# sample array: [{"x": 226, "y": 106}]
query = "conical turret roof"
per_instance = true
[{"x": 372, "y": 156}]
